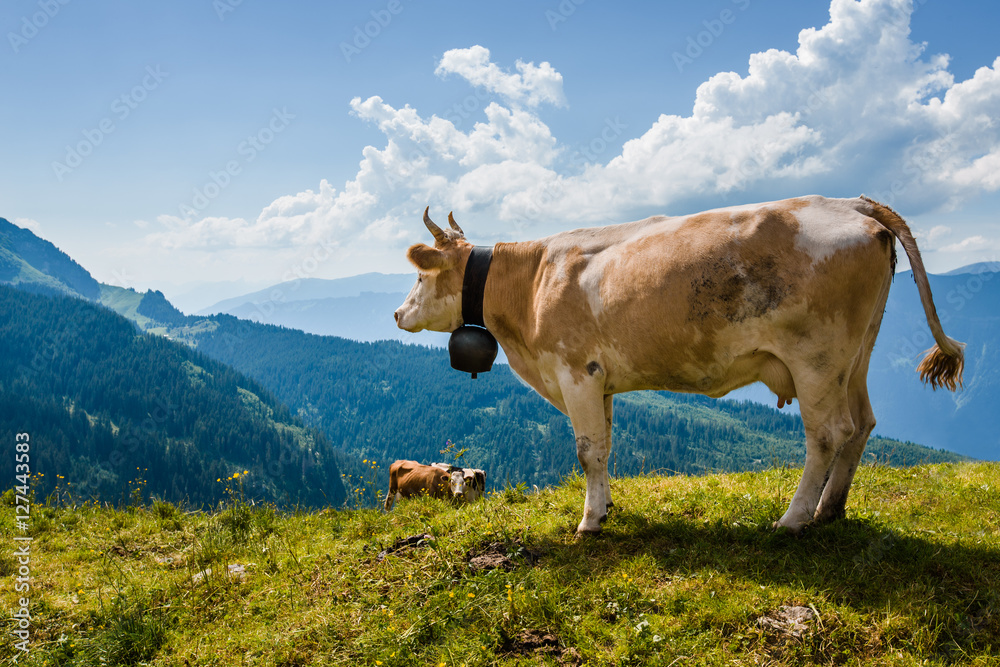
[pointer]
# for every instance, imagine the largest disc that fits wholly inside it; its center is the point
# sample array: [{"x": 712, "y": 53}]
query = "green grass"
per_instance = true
[
  {"x": 681, "y": 574},
  {"x": 124, "y": 302},
  {"x": 19, "y": 272}
]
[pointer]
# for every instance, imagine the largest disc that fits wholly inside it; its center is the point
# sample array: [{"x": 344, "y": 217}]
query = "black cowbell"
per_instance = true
[{"x": 472, "y": 349}]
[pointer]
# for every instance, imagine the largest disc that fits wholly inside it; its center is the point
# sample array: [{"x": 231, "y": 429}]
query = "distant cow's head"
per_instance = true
[
  {"x": 435, "y": 302},
  {"x": 456, "y": 481}
]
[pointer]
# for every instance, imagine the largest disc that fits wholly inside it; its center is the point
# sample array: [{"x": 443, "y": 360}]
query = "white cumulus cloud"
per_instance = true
[
  {"x": 971, "y": 244},
  {"x": 532, "y": 85}
]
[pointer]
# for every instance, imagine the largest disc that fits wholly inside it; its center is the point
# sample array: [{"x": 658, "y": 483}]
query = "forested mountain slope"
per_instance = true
[{"x": 109, "y": 408}]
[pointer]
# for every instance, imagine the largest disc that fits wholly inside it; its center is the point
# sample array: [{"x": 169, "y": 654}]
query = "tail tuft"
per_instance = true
[{"x": 941, "y": 369}]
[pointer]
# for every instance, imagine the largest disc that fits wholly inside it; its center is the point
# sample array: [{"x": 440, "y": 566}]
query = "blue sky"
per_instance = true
[{"x": 207, "y": 148}]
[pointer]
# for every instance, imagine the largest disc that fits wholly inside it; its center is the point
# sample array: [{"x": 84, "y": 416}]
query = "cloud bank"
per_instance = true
[{"x": 857, "y": 108}]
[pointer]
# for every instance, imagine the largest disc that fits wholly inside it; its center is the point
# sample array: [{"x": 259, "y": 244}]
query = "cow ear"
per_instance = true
[{"x": 426, "y": 258}]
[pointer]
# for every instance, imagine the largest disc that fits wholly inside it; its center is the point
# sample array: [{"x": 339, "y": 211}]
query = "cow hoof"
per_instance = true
[
  {"x": 827, "y": 516},
  {"x": 585, "y": 534},
  {"x": 589, "y": 527},
  {"x": 782, "y": 529}
]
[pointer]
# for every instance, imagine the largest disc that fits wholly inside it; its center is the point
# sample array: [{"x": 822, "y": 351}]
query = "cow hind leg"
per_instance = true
[
  {"x": 607, "y": 420},
  {"x": 585, "y": 404},
  {"x": 832, "y": 504},
  {"x": 828, "y": 425}
]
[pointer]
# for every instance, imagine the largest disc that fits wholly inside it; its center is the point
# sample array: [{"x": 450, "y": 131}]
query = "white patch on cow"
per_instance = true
[
  {"x": 658, "y": 225},
  {"x": 591, "y": 279},
  {"x": 457, "y": 480},
  {"x": 424, "y": 310},
  {"x": 829, "y": 226}
]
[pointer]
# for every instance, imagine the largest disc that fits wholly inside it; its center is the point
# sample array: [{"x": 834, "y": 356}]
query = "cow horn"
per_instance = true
[
  {"x": 454, "y": 225},
  {"x": 434, "y": 229}
]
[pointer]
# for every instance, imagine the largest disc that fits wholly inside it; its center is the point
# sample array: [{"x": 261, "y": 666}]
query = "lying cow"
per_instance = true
[
  {"x": 475, "y": 480},
  {"x": 409, "y": 478},
  {"x": 787, "y": 293}
]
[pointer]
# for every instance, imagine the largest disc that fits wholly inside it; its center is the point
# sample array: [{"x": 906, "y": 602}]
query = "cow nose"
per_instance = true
[{"x": 396, "y": 316}]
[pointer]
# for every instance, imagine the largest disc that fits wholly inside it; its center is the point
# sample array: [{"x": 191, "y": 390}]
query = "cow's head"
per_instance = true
[
  {"x": 456, "y": 480},
  {"x": 435, "y": 302}
]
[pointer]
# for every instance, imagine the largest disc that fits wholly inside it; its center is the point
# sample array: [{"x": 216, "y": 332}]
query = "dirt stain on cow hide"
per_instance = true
[{"x": 736, "y": 290}]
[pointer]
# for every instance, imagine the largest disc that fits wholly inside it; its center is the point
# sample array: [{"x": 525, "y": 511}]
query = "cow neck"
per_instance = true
[{"x": 477, "y": 269}]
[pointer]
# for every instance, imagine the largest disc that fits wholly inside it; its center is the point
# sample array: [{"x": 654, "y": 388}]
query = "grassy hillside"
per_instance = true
[
  {"x": 37, "y": 265},
  {"x": 686, "y": 572},
  {"x": 125, "y": 302}
]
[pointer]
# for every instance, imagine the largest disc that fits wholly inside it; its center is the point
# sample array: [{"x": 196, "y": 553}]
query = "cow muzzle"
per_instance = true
[{"x": 405, "y": 320}]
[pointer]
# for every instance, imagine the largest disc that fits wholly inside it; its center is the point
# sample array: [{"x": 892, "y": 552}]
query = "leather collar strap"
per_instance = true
[{"x": 474, "y": 284}]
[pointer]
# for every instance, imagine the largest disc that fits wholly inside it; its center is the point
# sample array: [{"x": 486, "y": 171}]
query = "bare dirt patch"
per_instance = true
[
  {"x": 540, "y": 643},
  {"x": 500, "y": 556}
]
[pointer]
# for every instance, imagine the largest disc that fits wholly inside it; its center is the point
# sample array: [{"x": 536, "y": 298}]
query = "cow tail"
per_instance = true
[{"x": 942, "y": 364}]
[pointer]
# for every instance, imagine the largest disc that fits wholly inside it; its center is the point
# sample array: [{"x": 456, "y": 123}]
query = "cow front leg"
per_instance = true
[{"x": 585, "y": 404}]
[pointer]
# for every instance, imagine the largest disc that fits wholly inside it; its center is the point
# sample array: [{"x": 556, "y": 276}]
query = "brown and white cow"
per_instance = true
[
  {"x": 788, "y": 293},
  {"x": 409, "y": 478},
  {"x": 475, "y": 480}
]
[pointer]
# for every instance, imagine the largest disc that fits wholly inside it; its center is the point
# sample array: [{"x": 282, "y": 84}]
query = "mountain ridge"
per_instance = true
[
  {"x": 28, "y": 259},
  {"x": 307, "y": 289}
]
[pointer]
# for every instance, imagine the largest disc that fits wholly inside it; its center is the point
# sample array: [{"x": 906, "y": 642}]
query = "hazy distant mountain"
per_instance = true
[
  {"x": 309, "y": 289},
  {"x": 366, "y": 317},
  {"x": 359, "y": 308},
  {"x": 30, "y": 262},
  {"x": 968, "y": 303},
  {"x": 978, "y": 267}
]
